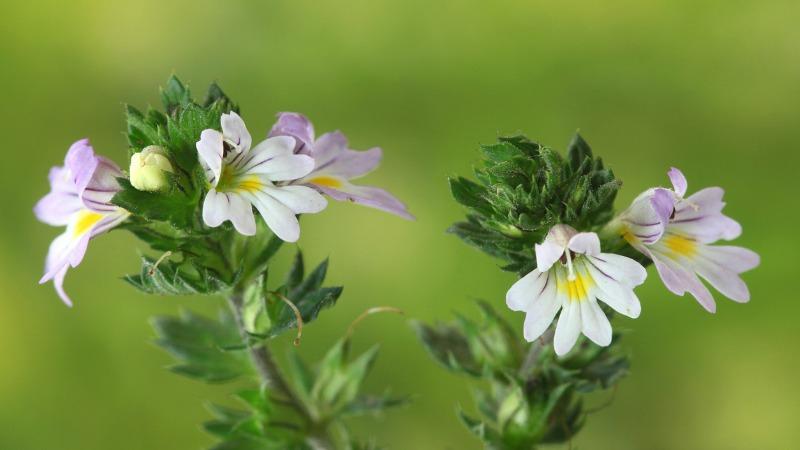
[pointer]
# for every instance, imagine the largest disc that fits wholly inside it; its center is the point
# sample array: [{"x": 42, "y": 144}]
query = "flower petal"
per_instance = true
[
  {"x": 648, "y": 215},
  {"x": 721, "y": 265},
  {"x": 595, "y": 324},
  {"x": 210, "y": 152},
  {"x": 279, "y": 218},
  {"x": 619, "y": 268},
  {"x": 542, "y": 311},
  {"x": 235, "y": 131},
  {"x": 568, "y": 328},
  {"x": 265, "y": 151},
  {"x": 61, "y": 202},
  {"x": 334, "y": 158},
  {"x": 585, "y": 243},
  {"x": 679, "y": 183},
  {"x": 297, "y": 126},
  {"x": 284, "y": 167},
  {"x": 373, "y": 197},
  {"x": 612, "y": 291},
  {"x": 547, "y": 253},
  {"x": 300, "y": 199},
  {"x": 680, "y": 280},
  {"x": 102, "y": 186},
  {"x": 221, "y": 206},
  {"x": 526, "y": 290}
]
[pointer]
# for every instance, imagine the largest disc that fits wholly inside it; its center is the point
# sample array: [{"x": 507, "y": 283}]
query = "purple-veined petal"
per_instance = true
[
  {"x": 526, "y": 290},
  {"x": 620, "y": 268},
  {"x": 736, "y": 259},
  {"x": 297, "y": 126},
  {"x": 279, "y": 218},
  {"x": 586, "y": 243},
  {"x": 648, "y": 215},
  {"x": 328, "y": 148},
  {"x": 553, "y": 246},
  {"x": 707, "y": 229},
  {"x": 568, "y": 328},
  {"x": 725, "y": 281},
  {"x": 679, "y": 183},
  {"x": 210, "y": 151},
  {"x": 265, "y": 151},
  {"x": 594, "y": 323},
  {"x": 334, "y": 158},
  {"x": 680, "y": 279},
  {"x": 284, "y": 167},
  {"x": 612, "y": 291},
  {"x": 299, "y": 199},
  {"x": 221, "y": 206},
  {"x": 102, "y": 186},
  {"x": 341, "y": 190},
  {"x": 235, "y": 131},
  {"x": 541, "y": 312}
]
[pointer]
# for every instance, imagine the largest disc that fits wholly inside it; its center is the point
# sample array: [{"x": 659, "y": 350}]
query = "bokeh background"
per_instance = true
[{"x": 711, "y": 87}]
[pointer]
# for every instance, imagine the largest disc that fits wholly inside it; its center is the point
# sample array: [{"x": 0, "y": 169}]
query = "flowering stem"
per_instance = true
[{"x": 270, "y": 373}]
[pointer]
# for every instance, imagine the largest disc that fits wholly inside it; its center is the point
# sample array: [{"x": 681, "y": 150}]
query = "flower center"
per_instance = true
[
  {"x": 680, "y": 245},
  {"x": 86, "y": 219},
  {"x": 230, "y": 181},
  {"x": 576, "y": 288}
]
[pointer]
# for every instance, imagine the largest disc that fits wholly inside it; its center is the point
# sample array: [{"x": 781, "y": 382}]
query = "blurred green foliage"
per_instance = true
[{"x": 707, "y": 86}]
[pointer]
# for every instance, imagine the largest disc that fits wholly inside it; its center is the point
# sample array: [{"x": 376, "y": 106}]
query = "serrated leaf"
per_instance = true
[
  {"x": 197, "y": 343},
  {"x": 171, "y": 278}
]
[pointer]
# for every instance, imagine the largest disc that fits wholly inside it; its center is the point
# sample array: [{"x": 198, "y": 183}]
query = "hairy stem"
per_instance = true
[{"x": 270, "y": 373}]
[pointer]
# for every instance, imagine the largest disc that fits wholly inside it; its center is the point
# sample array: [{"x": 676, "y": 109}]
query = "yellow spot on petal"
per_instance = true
[
  {"x": 327, "y": 181},
  {"x": 85, "y": 220},
  {"x": 680, "y": 245},
  {"x": 577, "y": 290},
  {"x": 628, "y": 236},
  {"x": 250, "y": 184}
]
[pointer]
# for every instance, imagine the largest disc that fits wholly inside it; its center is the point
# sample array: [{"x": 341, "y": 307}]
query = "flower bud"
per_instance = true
[{"x": 148, "y": 169}]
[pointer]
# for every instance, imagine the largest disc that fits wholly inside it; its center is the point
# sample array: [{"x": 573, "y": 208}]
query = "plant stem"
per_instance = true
[
  {"x": 535, "y": 350},
  {"x": 270, "y": 373}
]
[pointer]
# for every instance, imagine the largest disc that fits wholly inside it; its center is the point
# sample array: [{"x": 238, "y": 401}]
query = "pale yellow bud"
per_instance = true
[{"x": 148, "y": 169}]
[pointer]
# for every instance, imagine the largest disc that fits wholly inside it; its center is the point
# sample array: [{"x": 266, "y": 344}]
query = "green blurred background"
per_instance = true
[{"x": 708, "y": 86}]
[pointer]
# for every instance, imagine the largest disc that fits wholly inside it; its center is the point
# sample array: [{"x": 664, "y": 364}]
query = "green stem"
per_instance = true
[{"x": 268, "y": 370}]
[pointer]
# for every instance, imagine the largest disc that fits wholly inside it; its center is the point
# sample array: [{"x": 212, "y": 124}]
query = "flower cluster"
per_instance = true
[
  {"x": 673, "y": 231},
  {"x": 286, "y": 174}
]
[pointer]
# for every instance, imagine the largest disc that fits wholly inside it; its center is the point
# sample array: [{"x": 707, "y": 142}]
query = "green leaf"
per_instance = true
[
  {"x": 198, "y": 344},
  {"x": 449, "y": 346},
  {"x": 171, "y": 278},
  {"x": 173, "y": 206},
  {"x": 296, "y": 272},
  {"x": 175, "y": 95}
]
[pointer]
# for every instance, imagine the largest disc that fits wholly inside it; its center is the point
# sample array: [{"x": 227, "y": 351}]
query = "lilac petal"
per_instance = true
[
  {"x": 708, "y": 229},
  {"x": 234, "y": 130},
  {"x": 679, "y": 183},
  {"x": 702, "y": 202},
  {"x": 328, "y": 148},
  {"x": 372, "y": 197},
  {"x": 680, "y": 280},
  {"x": 62, "y": 202},
  {"x": 297, "y": 126},
  {"x": 663, "y": 204},
  {"x": 102, "y": 186},
  {"x": 58, "y": 282},
  {"x": 647, "y": 216},
  {"x": 585, "y": 243},
  {"x": 334, "y": 158},
  {"x": 736, "y": 259},
  {"x": 81, "y": 163},
  {"x": 726, "y": 281}
]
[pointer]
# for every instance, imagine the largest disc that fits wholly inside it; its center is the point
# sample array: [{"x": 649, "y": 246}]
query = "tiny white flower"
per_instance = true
[
  {"x": 240, "y": 177},
  {"x": 148, "y": 169},
  {"x": 571, "y": 276}
]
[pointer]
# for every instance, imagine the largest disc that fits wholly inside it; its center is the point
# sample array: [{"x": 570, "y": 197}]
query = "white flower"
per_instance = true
[
  {"x": 148, "y": 169},
  {"x": 240, "y": 177},
  {"x": 572, "y": 275}
]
